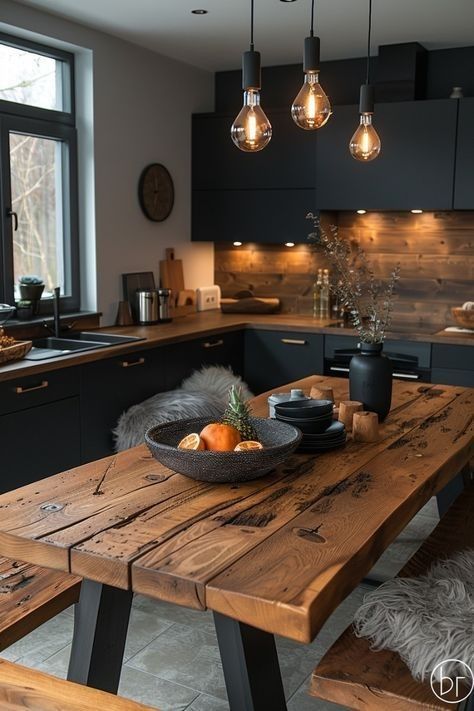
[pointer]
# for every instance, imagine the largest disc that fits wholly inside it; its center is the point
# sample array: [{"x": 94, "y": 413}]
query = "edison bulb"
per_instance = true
[
  {"x": 365, "y": 143},
  {"x": 311, "y": 108},
  {"x": 251, "y": 130}
]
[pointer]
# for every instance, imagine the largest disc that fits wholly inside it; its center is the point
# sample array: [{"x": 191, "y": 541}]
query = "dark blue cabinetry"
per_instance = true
[{"x": 464, "y": 178}]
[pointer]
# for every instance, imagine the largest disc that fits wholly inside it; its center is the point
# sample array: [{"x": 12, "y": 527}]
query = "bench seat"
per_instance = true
[
  {"x": 353, "y": 675},
  {"x": 31, "y": 595},
  {"x": 23, "y": 689}
]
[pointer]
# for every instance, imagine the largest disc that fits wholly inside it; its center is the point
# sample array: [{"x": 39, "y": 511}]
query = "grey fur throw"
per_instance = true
[
  {"x": 203, "y": 394},
  {"x": 426, "y": 619}
]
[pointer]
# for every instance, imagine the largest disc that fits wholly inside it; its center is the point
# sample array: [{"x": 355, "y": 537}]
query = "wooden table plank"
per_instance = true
[{"x": 316, "y": 559}]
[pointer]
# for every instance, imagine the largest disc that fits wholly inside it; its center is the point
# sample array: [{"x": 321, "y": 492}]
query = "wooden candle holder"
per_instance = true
[
  {"x": 320, "y": 392},
  {"x": 365, "y": 427},
  {"x": 347, "y": 408}
]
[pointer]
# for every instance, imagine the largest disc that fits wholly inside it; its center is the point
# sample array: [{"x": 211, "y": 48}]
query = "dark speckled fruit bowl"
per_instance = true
[{"x": 279, "y": 440}]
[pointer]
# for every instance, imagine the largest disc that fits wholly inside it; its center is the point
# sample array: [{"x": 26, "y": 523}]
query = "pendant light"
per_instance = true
[
  {"x": 311, "y": 108},
  {"x": 251, "y": 130},
  {"x": 365, "y": 143}
]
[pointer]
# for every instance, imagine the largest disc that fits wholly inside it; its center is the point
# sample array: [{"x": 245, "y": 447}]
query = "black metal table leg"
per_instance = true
[
  {"x": 251, "y": 669},
  {"x": 450, "y": 493},
  {"x": 100, "y": 629}
]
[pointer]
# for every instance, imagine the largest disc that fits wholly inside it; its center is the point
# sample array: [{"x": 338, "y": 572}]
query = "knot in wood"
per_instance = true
[{"x": 51, "y": 507}]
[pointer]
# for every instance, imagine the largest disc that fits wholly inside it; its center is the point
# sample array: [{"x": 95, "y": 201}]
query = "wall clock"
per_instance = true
[{"x": 156, "y": 192}]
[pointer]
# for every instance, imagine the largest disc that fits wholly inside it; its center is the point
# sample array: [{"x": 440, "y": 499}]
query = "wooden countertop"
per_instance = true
[{"x": 205, "y": 324}]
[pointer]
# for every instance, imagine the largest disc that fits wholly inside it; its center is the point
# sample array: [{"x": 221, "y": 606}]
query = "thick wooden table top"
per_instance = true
[{"x": 278, "y": 553}]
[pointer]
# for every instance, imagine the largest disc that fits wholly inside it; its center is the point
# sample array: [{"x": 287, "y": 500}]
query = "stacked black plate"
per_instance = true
[{"x": 314, "y": 419}]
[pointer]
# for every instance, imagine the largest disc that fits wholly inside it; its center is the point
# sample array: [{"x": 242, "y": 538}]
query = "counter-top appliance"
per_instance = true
[{"x": 147, "y": 306}]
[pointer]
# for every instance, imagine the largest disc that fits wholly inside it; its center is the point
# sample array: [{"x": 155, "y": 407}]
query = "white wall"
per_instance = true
[{"x": 142, "y": 105}]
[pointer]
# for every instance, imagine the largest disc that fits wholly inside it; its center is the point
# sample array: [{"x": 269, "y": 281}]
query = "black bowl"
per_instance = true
[
  {"x": 308, "y": 425},
  {"x": 335, "y": 431},
  {"x": 279, "y": 440},
  {"x": 304, "y": 408}
]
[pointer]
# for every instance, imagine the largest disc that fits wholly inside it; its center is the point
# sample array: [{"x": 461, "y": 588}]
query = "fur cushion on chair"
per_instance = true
[{"x": 203, "y": 394}]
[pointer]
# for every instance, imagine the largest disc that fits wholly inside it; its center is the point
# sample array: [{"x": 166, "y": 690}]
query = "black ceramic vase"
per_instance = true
[{"x": 370, "y": 379}]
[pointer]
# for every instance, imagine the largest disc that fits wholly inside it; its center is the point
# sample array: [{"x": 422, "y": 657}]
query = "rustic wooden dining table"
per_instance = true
[{"x": 271, "y": 556}]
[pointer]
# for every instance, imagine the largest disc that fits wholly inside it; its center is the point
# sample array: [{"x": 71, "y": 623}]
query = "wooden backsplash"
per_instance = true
[{"x": 435, "y": 251}]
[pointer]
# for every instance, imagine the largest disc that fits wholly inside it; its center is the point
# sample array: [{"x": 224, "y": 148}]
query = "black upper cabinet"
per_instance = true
[
  {"x": 263, "y": 216},
  {"x": 464, "y": 177},
  {"x": 415, "y": 168},
  {"x": 288, "y": 161}
]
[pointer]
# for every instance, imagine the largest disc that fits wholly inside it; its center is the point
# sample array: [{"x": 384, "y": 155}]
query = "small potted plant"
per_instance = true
[
  {"x": 369, "y": 304},
  {"x": 31, "y": 287},
  {"x": 24, "y": 309}
]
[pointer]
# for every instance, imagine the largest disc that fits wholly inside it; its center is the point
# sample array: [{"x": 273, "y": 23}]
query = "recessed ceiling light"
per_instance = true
[
  {"x": 199, "y": 11},
  {"x": 361, "y": 212},
  {"x": 416, "y": 212}
]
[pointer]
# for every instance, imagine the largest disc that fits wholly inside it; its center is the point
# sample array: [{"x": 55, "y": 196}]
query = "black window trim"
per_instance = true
[{"x": 52, "y": 124}]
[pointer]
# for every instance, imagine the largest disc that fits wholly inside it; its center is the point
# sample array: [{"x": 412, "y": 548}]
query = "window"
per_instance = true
[{"x": 38, "y": 162}]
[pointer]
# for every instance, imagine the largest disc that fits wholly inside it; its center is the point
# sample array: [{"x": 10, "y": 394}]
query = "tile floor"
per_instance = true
[{"x": 172, "y": 659}]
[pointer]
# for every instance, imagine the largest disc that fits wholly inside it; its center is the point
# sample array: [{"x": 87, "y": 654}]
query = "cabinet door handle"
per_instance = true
[
  {"x": 213, "y": 344},
  {"x": 20, "y": 389},
  {"x": 293, "y": 341},
  {"x": 131, "y": 364},
  {"x": 338, "y": 369}
]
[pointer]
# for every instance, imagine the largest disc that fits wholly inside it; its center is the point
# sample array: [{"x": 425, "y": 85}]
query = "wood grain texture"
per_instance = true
[
  {"x": 353, "y": 675},
  {"x": 279, "y": 552},
  {"x": 23, "y": 689},
  {"x": 29, "y": 596},
  {"x": 435, "y": 251}
]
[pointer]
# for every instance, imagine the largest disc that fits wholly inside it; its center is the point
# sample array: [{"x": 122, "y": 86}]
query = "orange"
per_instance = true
[
  {"x": 192, "y": 441},
  {"x": 248, "y": 445},
  {"x": 220, "y": 437}
]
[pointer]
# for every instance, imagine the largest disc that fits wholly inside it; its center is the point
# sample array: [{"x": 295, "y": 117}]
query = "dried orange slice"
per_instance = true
[
  {"x": 192, "y": 441},
  {"x": 248, "y": 445}
]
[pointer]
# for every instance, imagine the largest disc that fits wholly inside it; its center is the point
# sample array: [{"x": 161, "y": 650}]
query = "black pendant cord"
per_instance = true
[
  {"x": 251, "y": 25},
  {"x": 367, "y": 74},
  {"x": 311, "y": 33}
]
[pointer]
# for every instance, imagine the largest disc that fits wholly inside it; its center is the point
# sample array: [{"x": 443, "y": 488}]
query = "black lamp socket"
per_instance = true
[
  {"x": 367, "y": 99},
  {"x": 251, "y": 74},
  {"x": 311, "y": 54}
]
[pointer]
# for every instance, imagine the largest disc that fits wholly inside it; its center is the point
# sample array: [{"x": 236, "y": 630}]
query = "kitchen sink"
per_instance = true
[{"x": 52, "y": 347}]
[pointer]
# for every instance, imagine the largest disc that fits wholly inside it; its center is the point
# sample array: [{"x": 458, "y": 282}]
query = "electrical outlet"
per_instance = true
[{"x": 208, "y": 297}]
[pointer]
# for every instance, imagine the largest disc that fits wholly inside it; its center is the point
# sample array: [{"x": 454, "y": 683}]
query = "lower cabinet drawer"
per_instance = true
[
  {"x": 274, "y": 358},
  {"x": 451, "y": 376},
  {"x": 39, "y": 442},
  {"x": 32, "y": 390},
  {"x": 456, "y": 357}
]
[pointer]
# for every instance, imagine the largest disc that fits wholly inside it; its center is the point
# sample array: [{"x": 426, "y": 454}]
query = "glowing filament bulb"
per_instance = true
[
  {"x": 365, "y": 143},
  {"x": 251, "y": 130}
]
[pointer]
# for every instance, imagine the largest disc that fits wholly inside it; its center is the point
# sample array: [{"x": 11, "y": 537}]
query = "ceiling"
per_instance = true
[{"x": 215, "y": 41}]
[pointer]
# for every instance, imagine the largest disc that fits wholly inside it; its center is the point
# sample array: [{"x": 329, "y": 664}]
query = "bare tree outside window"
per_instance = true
[{"x": 28, "y": 78}]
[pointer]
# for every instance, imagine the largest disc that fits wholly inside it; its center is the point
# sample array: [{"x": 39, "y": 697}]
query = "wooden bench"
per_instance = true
[
  {"x": 31, "y": 595},
  {"x": 23, "y": 689},
  {"x": 353, "y": 675}
]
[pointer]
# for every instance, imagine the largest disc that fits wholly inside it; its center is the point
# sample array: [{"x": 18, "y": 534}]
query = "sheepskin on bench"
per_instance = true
[{"x": 204, "y": 394}]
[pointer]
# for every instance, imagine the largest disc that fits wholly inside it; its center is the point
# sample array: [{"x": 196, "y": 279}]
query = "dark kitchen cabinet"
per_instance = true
[
  {"x": 274, "y": 358},
  {"x": 108, "y": 388},
  {"x": 181, "y": 359},
  {"x": 287, "y": 162},
  {"x": 262, "y": 216},
  {"x": 453, "y": 365},
  {"x": 415, "y": 168},
  {"x": 39, "y": 426},
  {"x": 464, "y": 177}
]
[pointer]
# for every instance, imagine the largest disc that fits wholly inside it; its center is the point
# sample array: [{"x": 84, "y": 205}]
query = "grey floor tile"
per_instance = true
[
  {"x": 57, "y": 664},
  {"x": 186, "y": 656},
  {"x": 149, "y": 689},
  {"x": 208, "y": 703},
  {"x": 144, "y": 626},
  {"x": 302, "y": 701},
  {"x": 198, "y": 619},
  {"x": 42, "y": 642}
]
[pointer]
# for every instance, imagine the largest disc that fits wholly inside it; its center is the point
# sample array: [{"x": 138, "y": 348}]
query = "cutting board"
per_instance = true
[{"x": 171, "y": 274}]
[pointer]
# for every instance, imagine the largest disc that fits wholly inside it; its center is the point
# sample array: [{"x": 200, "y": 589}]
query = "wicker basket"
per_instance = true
[{"x": 15, "y": 352}]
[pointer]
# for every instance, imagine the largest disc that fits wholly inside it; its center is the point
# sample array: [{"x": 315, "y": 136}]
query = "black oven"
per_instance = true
[{"x": 411, "y": 361}]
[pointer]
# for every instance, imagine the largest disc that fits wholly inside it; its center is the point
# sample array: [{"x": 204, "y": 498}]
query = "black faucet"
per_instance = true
[{"x": 57, "y": 318}]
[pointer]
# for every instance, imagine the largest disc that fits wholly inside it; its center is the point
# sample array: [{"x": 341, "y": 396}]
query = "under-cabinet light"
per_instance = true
[
  {"x": 289, "y": 244},
  {"x": 361, "y": 212},
  {"x": 237, "y": 244},
  {"x": 416, "y": 212}
]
